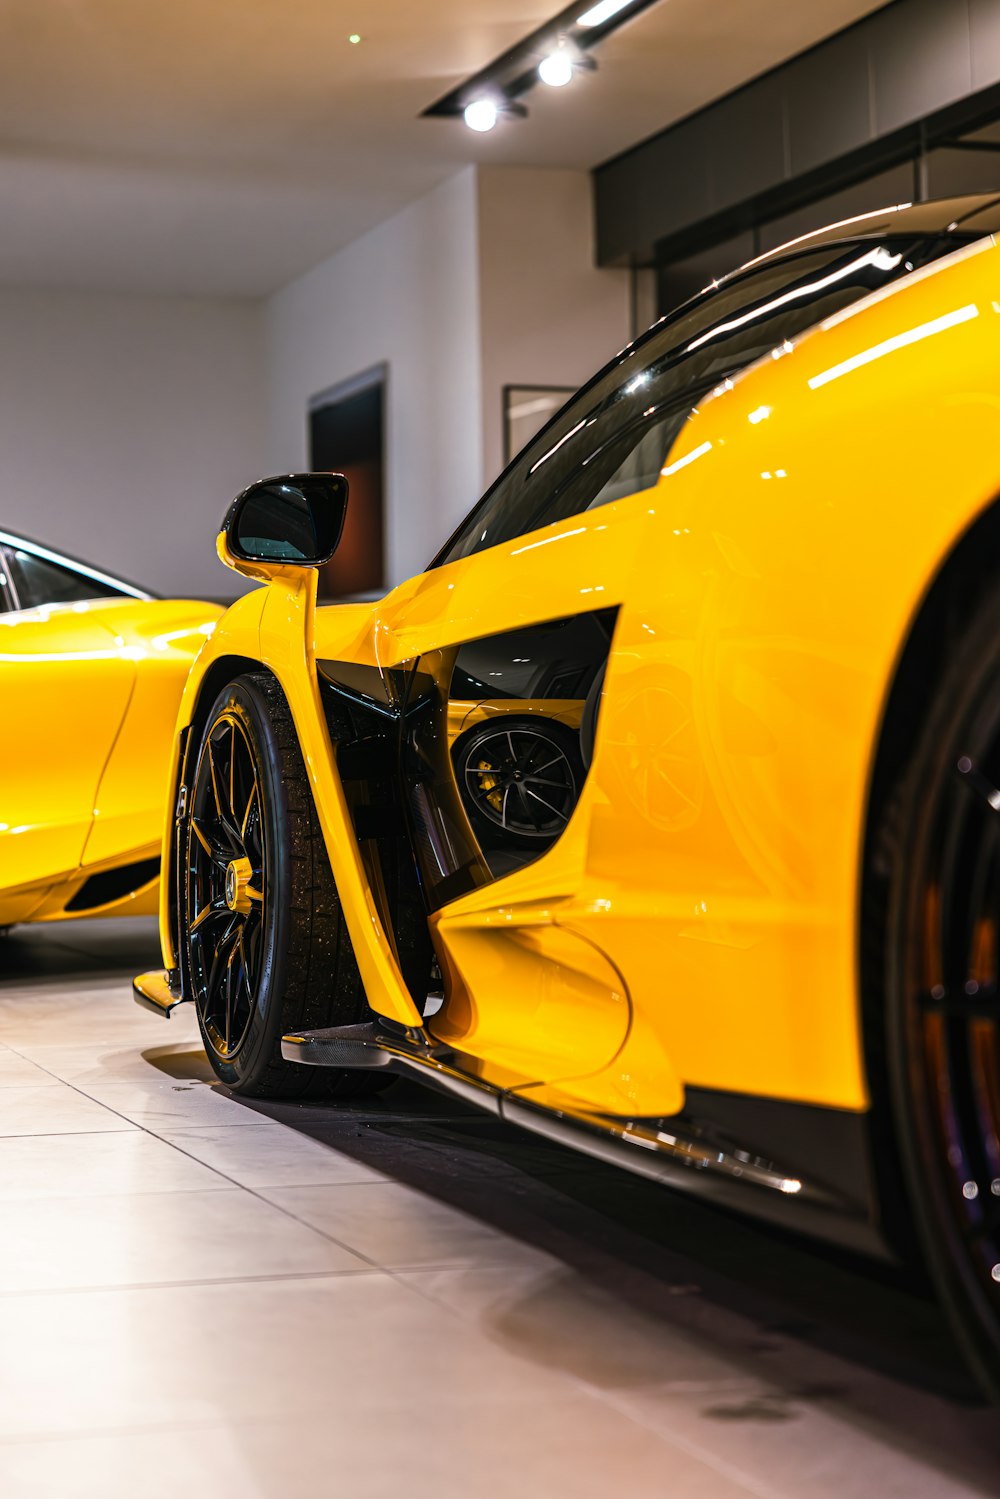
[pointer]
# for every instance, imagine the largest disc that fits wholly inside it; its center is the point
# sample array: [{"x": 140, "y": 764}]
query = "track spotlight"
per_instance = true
[
  {"x": 553, "y": 55},
  {"x": 481, "y": 115},
  {"x": 557, "y": 68}
]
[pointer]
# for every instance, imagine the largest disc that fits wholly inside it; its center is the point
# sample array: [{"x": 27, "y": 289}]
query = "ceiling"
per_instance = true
[{"x": 222, "y": 147}]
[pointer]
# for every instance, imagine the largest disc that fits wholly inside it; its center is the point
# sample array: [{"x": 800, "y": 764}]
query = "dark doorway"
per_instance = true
[{"x": 346, "y": 428}]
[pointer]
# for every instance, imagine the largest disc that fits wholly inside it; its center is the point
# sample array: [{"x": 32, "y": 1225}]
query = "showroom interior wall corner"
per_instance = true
[
  {"x": 549, "y": 315},
  {"x": 127, "y": 423},
  {"x": 405, "y": 294}
]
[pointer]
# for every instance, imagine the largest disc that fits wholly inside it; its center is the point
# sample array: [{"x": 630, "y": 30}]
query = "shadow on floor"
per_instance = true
[
  {"x": 781, "y": 1311},
  {"x": 98, "y": 949}
]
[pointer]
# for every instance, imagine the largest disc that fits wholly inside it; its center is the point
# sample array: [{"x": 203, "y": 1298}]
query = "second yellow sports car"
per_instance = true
[
  {"x": 91, "y": 673},
  {"x": 677, "y": 772}
]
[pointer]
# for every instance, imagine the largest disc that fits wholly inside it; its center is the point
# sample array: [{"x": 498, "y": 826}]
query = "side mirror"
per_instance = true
[{"x": 293, "y": 519}]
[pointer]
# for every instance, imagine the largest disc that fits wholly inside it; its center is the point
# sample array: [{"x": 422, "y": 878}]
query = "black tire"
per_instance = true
[
  {"x": 288, "y": 960},
  {"x": 942, "y": 1013},
  {"x": 519, "y": 776}
]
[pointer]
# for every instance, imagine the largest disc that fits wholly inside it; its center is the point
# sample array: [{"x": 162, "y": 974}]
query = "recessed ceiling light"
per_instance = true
[
  {"x": 354, "y": 38},
  {"x": 481, "y": 115},
  {"x": 601, "y": 12}
]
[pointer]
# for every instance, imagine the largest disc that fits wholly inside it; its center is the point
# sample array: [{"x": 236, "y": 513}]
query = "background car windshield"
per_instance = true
[
  {"x": 39, "y": 581},
  {"x": 613, "y": 438}
]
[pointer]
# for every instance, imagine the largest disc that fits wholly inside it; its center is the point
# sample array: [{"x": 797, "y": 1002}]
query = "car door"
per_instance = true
[
  {"x": 65, "y": 681},
  {"x": 504, "y": 650}
]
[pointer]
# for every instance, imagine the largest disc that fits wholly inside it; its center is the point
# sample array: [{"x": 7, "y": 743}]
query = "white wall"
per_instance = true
[
  {"x": 489, "y": 279},
  {"x": 127, "y": 423},
  {"x": 406, "y": 294},
  {"x": 549, "y": 316}
]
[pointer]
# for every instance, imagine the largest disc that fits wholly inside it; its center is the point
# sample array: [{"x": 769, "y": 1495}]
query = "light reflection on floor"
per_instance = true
[{"x": 405, "y": 1298}]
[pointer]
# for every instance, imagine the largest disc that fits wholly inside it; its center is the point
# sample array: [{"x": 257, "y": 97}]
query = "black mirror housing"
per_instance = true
[{"x": 295, "y": 519}]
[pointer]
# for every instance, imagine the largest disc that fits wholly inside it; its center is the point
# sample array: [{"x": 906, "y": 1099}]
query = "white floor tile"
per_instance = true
[
  {"x": 395, "y": 1226},
  {"x": 98, "y": 1165},
  {"x": 57, "y": 1243},
  {"x": 278, "y": 1157},
  {"x": 54, "y": 1109},
  {"x": 198, "y": 1297},
  {"x": 159, "y": 1103},
  {"x": 18, "y": 1072},
  {"x": 567, "y": 1446}
]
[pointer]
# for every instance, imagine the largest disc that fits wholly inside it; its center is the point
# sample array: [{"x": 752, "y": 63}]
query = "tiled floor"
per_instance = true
[{"x": 209, "y": 1298}]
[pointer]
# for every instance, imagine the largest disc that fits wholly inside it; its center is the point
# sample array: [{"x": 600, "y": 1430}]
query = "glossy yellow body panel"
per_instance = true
[
  {"x": 696, "y": 924},
  {"x": 90, "y": 693},
  {"x": 464, "y": 715}
]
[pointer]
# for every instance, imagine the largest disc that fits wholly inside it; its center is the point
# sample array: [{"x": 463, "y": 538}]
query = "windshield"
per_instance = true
[{"x": 614, "y": 436}]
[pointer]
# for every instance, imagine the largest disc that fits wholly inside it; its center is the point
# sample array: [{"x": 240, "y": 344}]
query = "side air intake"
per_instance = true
[{"x": 113, "y": 884}]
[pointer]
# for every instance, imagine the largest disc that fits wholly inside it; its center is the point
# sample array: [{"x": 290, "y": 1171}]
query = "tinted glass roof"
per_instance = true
[{"x": 977, "y": 213}]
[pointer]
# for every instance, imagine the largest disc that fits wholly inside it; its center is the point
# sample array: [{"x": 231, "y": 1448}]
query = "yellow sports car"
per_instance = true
[
  {"x": 91, "y": 673},
  {"x": 713, "y": 888}
]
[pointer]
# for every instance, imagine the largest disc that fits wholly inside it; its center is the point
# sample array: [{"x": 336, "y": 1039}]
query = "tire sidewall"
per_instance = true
[{"x": 928, "y": 1183}]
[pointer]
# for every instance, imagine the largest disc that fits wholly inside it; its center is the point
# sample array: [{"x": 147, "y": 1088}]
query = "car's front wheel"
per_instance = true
[{"x": 266, "y": 943}]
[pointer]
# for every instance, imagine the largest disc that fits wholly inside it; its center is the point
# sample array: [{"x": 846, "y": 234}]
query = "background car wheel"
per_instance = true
[
  {"x": 943, "y": 1009},
  {"x": 520, "y": 778},
  {"x": 266, "y": 943}
]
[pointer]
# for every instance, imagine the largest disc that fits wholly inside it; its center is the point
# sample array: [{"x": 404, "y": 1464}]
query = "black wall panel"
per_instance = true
[{"x": 908, "y": 77}]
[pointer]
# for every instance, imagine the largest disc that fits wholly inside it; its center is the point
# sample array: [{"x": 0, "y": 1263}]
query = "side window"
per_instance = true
[
  {"x": 7, "y": 600},
  {"x": 38, "y": 581},
  {"x": 613, "y": 439}
]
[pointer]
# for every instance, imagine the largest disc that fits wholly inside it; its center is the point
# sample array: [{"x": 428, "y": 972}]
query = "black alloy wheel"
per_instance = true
[
  {"x": 265, "y": 942},
  {"x": 227, "y": 885},
  {"x": 520, "y": 779},
  {"x": 943, "y": 992}
]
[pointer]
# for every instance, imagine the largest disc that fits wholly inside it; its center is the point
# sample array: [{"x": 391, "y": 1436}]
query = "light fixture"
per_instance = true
[
  {"x": 481, "y": 115},
  {"x": 557, "y": 68},
  {"x": 553, "y": 54},
  {"x": 354, "y": 38},
  {"x": 601, "y": 12}
]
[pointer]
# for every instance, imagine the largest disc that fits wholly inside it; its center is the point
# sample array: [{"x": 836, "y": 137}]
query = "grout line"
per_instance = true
[
  {"x": 61, "y": 1134},
  {"x": 113, "y": 1288}
]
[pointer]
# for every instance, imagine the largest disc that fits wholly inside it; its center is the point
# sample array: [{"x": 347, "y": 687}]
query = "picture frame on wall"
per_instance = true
[{"x": 526, "y": 409}]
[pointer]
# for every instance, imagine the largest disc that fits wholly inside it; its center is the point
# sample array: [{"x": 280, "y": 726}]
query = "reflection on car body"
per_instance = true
[
  {"x": 91, "y": 672},
  {"x": 743, "y": 587}
]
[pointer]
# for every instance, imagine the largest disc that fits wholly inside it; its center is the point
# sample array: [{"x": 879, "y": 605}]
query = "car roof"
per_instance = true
[{"x": 973, "y": 214}]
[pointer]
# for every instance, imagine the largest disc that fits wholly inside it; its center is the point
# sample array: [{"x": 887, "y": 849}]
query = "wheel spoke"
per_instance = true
[
  {"x": 972, "y": 777},
  {"x": 196, "y": 830},
  {"x": 558, "y": 760},
  {"x": 527, "y": 791},
  {"x": 246, "y": 816},
  {"x": 209, "y": 913},
  {"x": 232, "y": 772},
  {"x": 218, "y": 957},
  {"x": 215, "y": 781}
]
